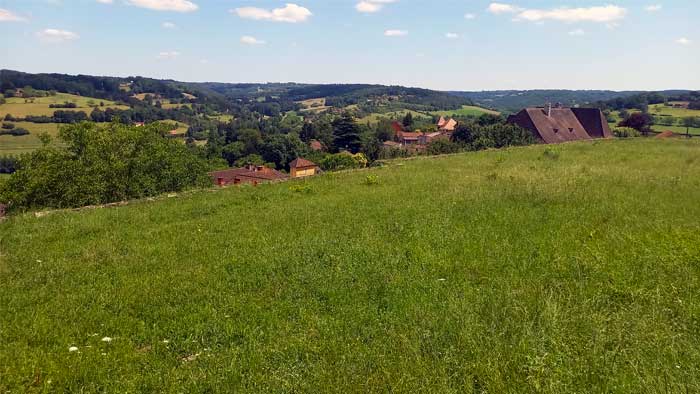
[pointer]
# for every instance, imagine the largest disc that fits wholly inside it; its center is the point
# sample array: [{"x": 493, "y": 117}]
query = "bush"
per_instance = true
[
  {"x": 341, "y": 161},
  {"x": 372, "y": 180},
  {"x": 15, "y": 132},
  {"x": 626, "y": 132},
  {"x": 100, "y": 165},
  {"x": 8, "y": 126}
]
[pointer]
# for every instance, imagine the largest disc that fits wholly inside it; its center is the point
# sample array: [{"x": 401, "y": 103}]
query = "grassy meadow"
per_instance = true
[
  {"x": 38, "y": 106},
  {"x": 543, "y": 269},
  {"x": 466, "y": 110},
  {"x": 13, "y": 145}
]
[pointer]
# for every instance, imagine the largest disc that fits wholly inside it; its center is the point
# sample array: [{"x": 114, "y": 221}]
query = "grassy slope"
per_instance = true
[
  {"x": 661, "y": 109},
  {"x": 503, "y": 271},
  {"x": 13, "y": 145},
  {"x": 40, "y": 105},
  {"x": 467, "y": 110}
]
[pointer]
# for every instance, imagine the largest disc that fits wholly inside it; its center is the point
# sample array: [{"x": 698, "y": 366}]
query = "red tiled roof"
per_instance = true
[
  {"x": 397, "y": 127},
  {"x": 247, "y": 174},
  {"x": 316, "y": 145},
  {"x": 300, "y": 162}
]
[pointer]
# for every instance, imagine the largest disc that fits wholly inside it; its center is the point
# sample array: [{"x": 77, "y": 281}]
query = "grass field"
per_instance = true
[
  {"x": 13, "y": 145},
  {"x": 397, "y": 115},
  {"x": 573, "y": 268},
  {"x": 40, "y": 105},
  {"x": 466, "y": 110},
  {"x": 661, "y": 109}
]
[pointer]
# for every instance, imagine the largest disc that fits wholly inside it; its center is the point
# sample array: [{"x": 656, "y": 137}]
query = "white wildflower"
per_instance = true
[
  {"x": 106, "y": 339},
  {"x": 73, "y": 349}
]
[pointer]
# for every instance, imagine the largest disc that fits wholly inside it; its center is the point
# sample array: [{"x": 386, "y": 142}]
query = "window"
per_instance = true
[
  {"x": 556, "y": 130},
  {"x": 571, "y": 129}
]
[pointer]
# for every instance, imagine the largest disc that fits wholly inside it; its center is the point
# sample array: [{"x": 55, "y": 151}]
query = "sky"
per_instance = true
[{"x": 435, "y": 44}]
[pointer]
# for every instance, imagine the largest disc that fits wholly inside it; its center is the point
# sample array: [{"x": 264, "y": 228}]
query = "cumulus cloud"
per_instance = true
[
  {"x": 500, "y": 8},
  {"x": 609, "y": 14},
  {"x": 290, "y": 13},
  {"x": 452, "y": 36},
  {"x": 469, "y": 16},
  {"x": 250, "y": 40},
  {"x": 165, "y": 5},
  {"x": 9, "y": 16},
  {"x": 653, "y": 8},
  {"x": 577, "y": 32},
  {"x": 168, "y": 25},
  {"x": 683, "y": 41},
  {"x": 168, "y": 55},
  {"x": 395, "y": 33},
  {"x": 371, "y": 6},
  {"x": 105, "y": 1},
  {"x": 56, "y": 35}
]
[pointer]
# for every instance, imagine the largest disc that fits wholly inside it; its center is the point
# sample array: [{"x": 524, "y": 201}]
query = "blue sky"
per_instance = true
[{"x": 449, "y": 44}]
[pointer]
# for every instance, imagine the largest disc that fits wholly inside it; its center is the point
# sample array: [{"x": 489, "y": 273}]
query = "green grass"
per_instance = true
[
  {"x": 661, "y": 109},
  {"x": 39, "y": 106},
  {"x": 13, "y": 145},
  {"x": 660, "y": 128},
  {"x": 551, "y": 269},
  {"x": 397, "y": 115},
  {"x": 466, "y": 110}
]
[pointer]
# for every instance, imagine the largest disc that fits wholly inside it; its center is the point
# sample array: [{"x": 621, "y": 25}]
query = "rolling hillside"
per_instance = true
[{"x": 546, "y": 269}]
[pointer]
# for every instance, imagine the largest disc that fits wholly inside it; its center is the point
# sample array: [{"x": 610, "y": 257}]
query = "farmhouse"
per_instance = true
[
  {"x": 248, "y": 174},
  {"x": 446, "y": 125},
  {"x": 301, "y": 167},
  {"x": 556, "y": 125}
]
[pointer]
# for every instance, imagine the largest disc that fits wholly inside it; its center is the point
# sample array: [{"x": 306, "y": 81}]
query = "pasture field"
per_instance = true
[
  {"x": 39, "y": 106},
  {"x": 14, "y": 145},
  {"x": 547, "y": 269},
  {"x": 466, "y": 110},
  {"x": 181, "y": 128},
  {"x": 661, "y": 109},
  {"x": 396, "y": 115}
]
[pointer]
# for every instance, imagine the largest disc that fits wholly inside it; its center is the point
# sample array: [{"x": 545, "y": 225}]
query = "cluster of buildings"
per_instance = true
[
  {"x": 417, "y": 140},
  {"x": 256, "y": 174}
]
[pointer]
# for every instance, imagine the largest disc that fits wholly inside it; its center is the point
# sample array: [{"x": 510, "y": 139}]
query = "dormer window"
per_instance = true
[
  {"x": 571, "y": 129},
  {"x": 556, "y": 130}
]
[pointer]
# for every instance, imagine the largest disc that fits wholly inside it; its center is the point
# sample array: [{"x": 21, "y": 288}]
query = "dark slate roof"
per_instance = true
[{"x": 562, "y": 124}]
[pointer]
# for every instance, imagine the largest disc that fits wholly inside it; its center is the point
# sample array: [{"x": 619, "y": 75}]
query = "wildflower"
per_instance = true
[
  {"x": 106, "y": 339},
  {"x": 73, "y": 349},
  {"x": 166, "y": 341}
]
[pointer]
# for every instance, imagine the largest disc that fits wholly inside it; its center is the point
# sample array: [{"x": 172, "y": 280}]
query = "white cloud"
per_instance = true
[
  {"x": 469, "y": 16},
  {"x": 371, "y": 6},
  {"x": 56, "y": 35},
  {"x": 168, "y": 25},
  {"x": 291, "y": 13},
  {"x": 577, "y": 32},
  {"x": 653, "y": 8},
  {"x": 500, "y": 8},
  {"x": 105, "y": 1},
  {"x": 165, "y": 5},
  {"x": 452, "y": 36},
  {"x": 9, "y": 16},
  {"x": 395, "y": 33},
  {"x": 683, "y": 41},
  {"x": 250, "y": 40},
  {"x": 604, "y": 14},
  {"x": 168, "y": 55}
]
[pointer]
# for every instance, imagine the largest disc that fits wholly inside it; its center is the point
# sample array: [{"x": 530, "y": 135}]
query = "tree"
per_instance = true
[
  {"x": 689, "y": 122},
  {"x": 97, "y": 165},
  {"x": 639, "y": 121},
  {"x": 408, "y": 120},
  {"x": 346, "y": 134}
]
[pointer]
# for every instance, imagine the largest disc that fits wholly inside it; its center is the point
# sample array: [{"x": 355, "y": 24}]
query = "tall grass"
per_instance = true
[{"x": 576, "y": 270}]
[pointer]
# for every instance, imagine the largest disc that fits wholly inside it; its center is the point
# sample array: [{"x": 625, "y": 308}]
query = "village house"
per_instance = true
[
  {"x": 554, "y": 125},
  {"x": 446, "y": 125},
  {"x": 301, "y": 167},
  {"x": 249, "y": 174}
]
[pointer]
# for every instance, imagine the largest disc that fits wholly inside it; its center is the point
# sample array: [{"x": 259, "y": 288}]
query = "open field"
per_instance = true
[
  {"x": 661, "y": 109},
  {"x": 550, "y": 269},
  {"x": 466, "y": 110},
  {"x": 181, "y": 128},
  {"x": 39, "y": 106},
  {"x": 14, "y": 145},
  {"x": 397, "y": 115}
]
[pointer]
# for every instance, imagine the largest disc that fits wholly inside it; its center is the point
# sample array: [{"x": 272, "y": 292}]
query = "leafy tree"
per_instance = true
[
  {"x": 442, "y": 146},
  {"x": 99, "y": 165},
  {"x": 689, "y": 122},
  {"x": 489, "y": 119},
  {"x": 408, "y": 121},
  {"x": 346, "y": 134},
  {"x": 639, "y": 121},
  {"x": 625, "y": 132}
]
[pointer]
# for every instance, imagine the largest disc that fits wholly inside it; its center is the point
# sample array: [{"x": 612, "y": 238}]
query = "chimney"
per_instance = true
[
  {"x": 220, "y": 181},
  {"x": 549, "y": 111}
]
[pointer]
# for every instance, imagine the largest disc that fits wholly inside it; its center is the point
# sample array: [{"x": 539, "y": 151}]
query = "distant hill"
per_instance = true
[{"x": 514, "y": 100}]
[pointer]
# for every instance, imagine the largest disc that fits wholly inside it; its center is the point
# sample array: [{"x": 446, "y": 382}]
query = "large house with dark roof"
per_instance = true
[{"x": 556, "y": 125}]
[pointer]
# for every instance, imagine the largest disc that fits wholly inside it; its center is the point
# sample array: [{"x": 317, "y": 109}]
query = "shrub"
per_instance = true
[
  {"x": 626, "y": 132},
  {"x": 15, "y": 132},
  {"x": 371, "y": 180},
  {"x": 551, "y": 154},
  {"x": 8, "y": 126},
  {"x": 304, "y": 188},
  {"x": 100, "y": 165},
  {"x": 343, "y": 161}
]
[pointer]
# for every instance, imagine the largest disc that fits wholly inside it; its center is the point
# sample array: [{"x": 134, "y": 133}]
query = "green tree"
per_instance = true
[
  {"x": 689, "y": 122},
  {"x": 408, "y": 120},
  {"x": 96, "y": 165},
  {"x": 346, "y": 134}
]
